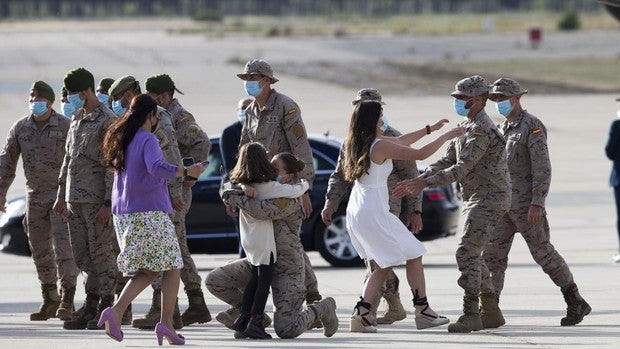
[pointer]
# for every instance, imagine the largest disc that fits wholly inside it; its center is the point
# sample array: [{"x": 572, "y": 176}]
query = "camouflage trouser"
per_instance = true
[
  {"x": 189, "y": 274},
  {"x": 50, "y": 244},
  {"x": 537, "y": 238},
  {"x": 288, "y": 284},
  {"x": 93, "y": 248},
  {"x": 479, "y": 227},
  {"x": 390, "y": 287}
]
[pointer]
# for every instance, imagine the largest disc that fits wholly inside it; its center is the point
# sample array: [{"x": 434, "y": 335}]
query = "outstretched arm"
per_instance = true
[{"x": 409, "y": 138}]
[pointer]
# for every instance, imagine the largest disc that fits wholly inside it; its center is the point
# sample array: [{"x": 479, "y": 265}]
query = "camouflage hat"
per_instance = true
[
  {"x": 368, "y": 94},
  {"x": 104, "y": 84},
  {"x": 161, "y": 83},
  {"x": 257, "y": 66},
  {"x": 121, "y": 85},
  {"x": 471, "y": 87},
  {"x": 44, "y": 90},
  {"x": 507, "y": 87},
  {"x": 79, "y": 80}
]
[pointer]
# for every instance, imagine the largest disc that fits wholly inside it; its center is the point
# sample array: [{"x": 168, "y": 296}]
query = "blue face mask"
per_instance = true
[
  {"x": 76, "y": 101},
  {"x": 67, "y": 109},
  {"x": 384, "y": 126},
  {"x": 459, "y": 107},
  {"x": 241, "y": 115},
  {"x": 38, "y": 108},
  {"x": 252, "y": 88},
  {"x": 103, "y": 98},
  {"x": 504, "y": 107},
  {"x": 117, "y": 107}
]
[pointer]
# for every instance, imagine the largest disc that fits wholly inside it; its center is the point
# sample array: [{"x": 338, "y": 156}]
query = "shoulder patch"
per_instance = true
[
  {"x": 193, "y": 131},
  {"x": 161, "y": 137},
  {"x": 282, "y": 203},
  {"x": 298, "y": 130},
  {"x": 536, "y": 131},
  {"x": 291, "y": 111}
]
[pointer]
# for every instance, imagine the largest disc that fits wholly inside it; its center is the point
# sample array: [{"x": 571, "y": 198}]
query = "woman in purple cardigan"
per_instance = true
[{"x": 141, "y": 207}]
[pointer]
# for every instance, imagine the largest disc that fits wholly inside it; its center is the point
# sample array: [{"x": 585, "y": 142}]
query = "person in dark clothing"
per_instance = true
[
  {"x": 229, "y": 143},
  {"x": 612, "y": 150}
]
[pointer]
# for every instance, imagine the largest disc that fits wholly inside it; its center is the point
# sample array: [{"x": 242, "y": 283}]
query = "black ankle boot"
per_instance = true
[
  {"x": 255, "y": 328},
  {"x": 241, "y": 322}
]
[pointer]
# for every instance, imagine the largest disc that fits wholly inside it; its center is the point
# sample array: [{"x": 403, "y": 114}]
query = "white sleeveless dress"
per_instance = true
[{"x": 376, "y": 233}]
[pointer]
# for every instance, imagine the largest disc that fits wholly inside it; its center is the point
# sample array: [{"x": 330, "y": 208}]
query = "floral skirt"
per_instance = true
[{"x": 147, "y": 241}]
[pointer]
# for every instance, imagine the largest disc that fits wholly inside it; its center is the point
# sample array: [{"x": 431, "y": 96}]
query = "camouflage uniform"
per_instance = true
[
  {"x": 338, "y": 187},
  {"x": 85, "y": 184},
  {"x": 42, "y": 152},
  {"x": 279, "y": 127},
  {"x": 228, "y": 282}
]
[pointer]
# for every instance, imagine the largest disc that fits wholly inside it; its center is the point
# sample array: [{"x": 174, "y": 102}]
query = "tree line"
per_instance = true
[{"x": 19, "y": 9}]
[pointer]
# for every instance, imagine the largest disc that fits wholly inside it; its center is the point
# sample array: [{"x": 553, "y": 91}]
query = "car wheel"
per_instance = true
[{"x": 334, "y": 243}]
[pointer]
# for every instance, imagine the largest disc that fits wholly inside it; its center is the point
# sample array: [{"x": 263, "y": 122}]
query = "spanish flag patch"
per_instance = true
[
  {"x": 478, "y": 134},
  {"x": 291, "y": 111},
  {"x": 536, "y": 131}
]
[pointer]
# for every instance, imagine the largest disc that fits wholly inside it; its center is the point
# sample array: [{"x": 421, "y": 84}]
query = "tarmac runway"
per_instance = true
[{"x": 580, "y": 204}]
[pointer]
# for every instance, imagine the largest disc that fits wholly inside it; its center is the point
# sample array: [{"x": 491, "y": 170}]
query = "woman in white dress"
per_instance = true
[{"x": 375, "y": 233}]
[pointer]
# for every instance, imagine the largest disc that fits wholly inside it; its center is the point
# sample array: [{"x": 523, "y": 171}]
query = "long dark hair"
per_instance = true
[
  {"x": 362, "y": 131},
  {"x": 123, "y": 130},
  {"x": 253, "y": 166},
  {"x": 292, "y": 164}
]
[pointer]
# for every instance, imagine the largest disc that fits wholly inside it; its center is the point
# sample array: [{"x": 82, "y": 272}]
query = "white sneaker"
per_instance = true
[{"x": 617, "y": 258}]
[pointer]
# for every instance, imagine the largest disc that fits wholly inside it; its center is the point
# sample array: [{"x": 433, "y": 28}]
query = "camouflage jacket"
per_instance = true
[
  {"x": 167, "y": 137},
  {"x": 193, "y": 141}
]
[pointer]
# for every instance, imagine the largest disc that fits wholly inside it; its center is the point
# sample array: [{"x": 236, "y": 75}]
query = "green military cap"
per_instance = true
[
  {"x": 367, "y": 94},
  {"x": 506, "y": 87},
  {"x": 44, "y": 90},
  {"x": 79, "y": 80},
  {"x": 104, "y": 84},
  {"x": 121, "y": 85},
  {"x": 471, "y": 87},
  {"x": 161, "y": 83},
  {"x": 257, "y": 66}
]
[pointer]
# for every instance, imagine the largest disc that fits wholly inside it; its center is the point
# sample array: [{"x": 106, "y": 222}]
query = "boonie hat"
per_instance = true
[
  {"x": 121, "y": 85},
  {"x": 507, "y": 87},
  {"x": 257, "y": 66},
  {"x": 471, "y": 87},
  {"x": 367, "y": 94}
]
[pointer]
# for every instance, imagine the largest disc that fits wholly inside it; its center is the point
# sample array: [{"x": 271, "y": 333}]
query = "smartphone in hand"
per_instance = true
[{"x": 188, "y": 161}]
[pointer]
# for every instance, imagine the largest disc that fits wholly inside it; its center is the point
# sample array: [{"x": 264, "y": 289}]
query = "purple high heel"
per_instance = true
[
  {"x": 173, "y": 339},
  {"x": 111, "y": 327}
]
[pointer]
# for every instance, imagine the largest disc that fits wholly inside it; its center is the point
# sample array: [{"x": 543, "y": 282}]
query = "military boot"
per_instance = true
[
  {"x": 325, "y": 310},
  {"x": 360, "y": 320},
  {"x": 374, "y": 306},
  {"x": 576, "y": 308},
  {"x": 470, "y": 320},
  {"x": 51, "y": 301},
  {"x": 197, "y": 310},
  {"x": 177, "y": 321},
  {"x": 87, "y": 313},
  {"x": 490, "y": 314},
  {"x": 395, "y": 312},
  {"x": 66, "y": 307},
  {"x": 152, "y": 317},
  {"x": 106, "y": 301}
]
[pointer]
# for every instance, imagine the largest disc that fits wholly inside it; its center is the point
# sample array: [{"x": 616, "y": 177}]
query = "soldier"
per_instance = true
[
  {"x": 193, "y": 142},
  {"x": 85, "y": 187},
  {"x": 337, "y": 189},
  {"x": 274, "y": 120},
  {"x": 40, "y": 139},
  {"x": 478, "y": 161},
  {"x": 122, "y": 92},
  {"x": 530, "y": 172},
  {"x": 229, "y": 143},
  {"x": 227, "y": 282},
  {"x": 102, "y": 91}
]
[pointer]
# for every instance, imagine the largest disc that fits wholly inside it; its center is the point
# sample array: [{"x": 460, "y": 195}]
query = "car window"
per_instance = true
[
  {"x": 215, "y": 163},
  {"x": 320, "y": 162}
]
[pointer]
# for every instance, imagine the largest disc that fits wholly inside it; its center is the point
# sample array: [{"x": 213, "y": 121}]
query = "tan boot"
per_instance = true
[
  {"x": 66, "y": 308},
  {"x": 360, "y": 321},
  {"x": 470, "y": 320},
  {"x": 197, "y": 310},
  {"x": 152, "y": 317},
  {"x": 577, "y": 308},
  {"x": 325, "y": 310},
  {"x": 395, "y": 312},
  {"x": 51, "y": 301},
  {"x": 490, "y": 314}
]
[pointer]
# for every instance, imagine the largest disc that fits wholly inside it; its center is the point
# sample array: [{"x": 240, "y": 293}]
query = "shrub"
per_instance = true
[{"x": 569, "y": 20}]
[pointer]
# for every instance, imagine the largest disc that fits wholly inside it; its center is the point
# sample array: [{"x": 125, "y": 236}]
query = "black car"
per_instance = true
[{"x": 210, "y": 230}]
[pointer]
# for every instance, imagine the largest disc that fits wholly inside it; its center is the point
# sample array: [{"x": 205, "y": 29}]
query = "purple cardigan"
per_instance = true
[{"x": 141, "y": 187}]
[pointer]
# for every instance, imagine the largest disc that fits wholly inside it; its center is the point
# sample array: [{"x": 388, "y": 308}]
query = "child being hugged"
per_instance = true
[{"x": 258, "y": 177}]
